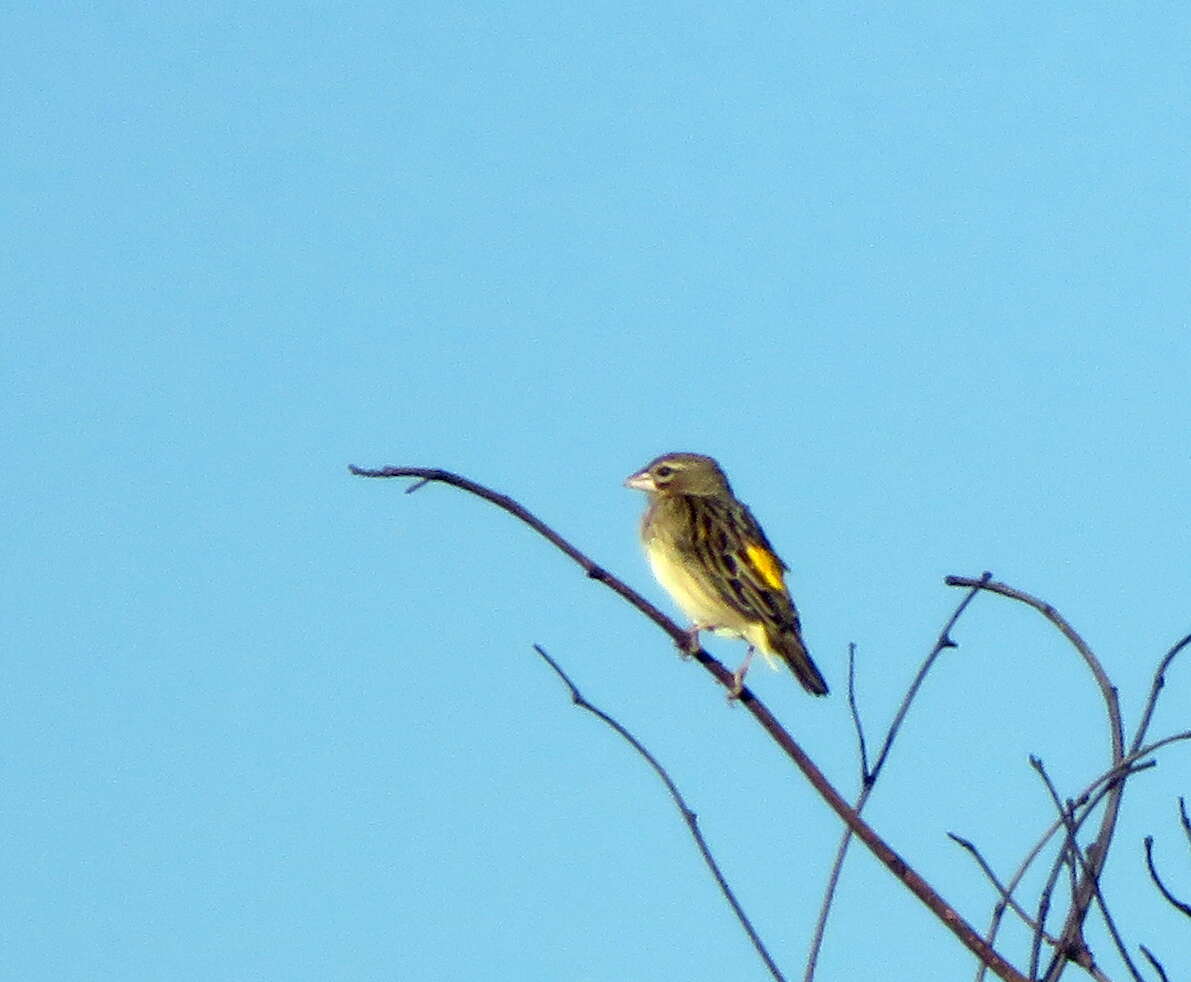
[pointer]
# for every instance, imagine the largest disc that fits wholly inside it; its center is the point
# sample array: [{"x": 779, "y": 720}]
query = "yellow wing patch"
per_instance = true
[{"x": 767, "y": 564}]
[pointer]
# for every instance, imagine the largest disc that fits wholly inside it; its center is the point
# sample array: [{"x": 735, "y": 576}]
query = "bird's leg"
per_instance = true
[
  {"x": 691, "y": 644},
  {"x": 739, "y": 674}
]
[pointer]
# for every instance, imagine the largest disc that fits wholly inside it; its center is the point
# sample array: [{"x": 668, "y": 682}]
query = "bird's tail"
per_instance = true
[{"x": 789, "y": 644}]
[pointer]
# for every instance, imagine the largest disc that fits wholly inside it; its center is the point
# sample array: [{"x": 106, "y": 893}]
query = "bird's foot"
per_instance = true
[
  {"x": 738, "y": 677},
  {"x": 690, "y": 644}
]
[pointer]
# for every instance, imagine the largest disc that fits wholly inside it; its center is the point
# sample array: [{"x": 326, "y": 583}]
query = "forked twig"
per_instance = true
[
  {"x": 1107, "y": 689},
  {"x": 868, "y": 777},
  {"x": 1007, "y": 899},
  {"x": 1084, "y": 865},
  {"x": 1071, "y": 939},
  {"x": 1086, "y": 802},
  {"x": 1156, "y": 688},
  {"x": 1066, "y": 858}
]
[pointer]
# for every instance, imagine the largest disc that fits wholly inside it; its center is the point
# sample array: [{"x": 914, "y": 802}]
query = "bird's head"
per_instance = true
[{"x": 680, "y": 473}]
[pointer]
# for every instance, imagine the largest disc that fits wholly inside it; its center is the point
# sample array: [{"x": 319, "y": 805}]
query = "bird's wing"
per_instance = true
[{"x": 750, "y": 578}]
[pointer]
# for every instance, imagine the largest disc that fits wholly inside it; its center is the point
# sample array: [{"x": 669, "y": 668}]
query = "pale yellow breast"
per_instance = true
[{"x": 701, "y": 604}]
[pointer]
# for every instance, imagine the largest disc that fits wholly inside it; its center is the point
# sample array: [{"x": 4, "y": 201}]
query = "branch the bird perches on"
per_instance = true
[
  {"x": 967, "y": 934},
  {"x": 1069, "y": 946}
]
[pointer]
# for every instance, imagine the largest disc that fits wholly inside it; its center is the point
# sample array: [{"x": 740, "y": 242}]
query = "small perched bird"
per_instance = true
[{"x": 710, "y": 554}]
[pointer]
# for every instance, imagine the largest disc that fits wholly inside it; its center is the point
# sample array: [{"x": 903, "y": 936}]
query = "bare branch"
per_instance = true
[
  {"x": 1134, "y": 763},
  {"x": 1081, "y": 955},
  {"x": 869, "y": 778},
  {"x": 1156, "y": 688},
  {"x": 1067, "y": 856},
  {"x": 1155, "y": 963},
  {"x": 942, "y": 644},
  {"x": 1107, "y": 689},
  {"x": 1006, "y": 898},
  {"x": 1170, "y": 897},
  {"x": 1043, "y": 910},
  {"x": 1072, "y": 934},
  {"x": 865, "y": 777},
  {"x": 1086, "y": 802},
  {"x": 1014, "y": 881},
  {"x": 688, "y": 816},
  {"x": 514, "y": 508},
  {"x": 914, "y": 882}
]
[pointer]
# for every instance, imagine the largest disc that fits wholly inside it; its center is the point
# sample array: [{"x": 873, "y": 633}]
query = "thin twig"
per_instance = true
[
  {"x": 1014, "y": 881},
  {"x": 1087, "y": 801},
  {"x": 909, "y": 877},
  {"x": 1156, "y": 687},
  {"x": 869, "y": 777},
  {"x": 1170, "y": 897},
  {"x": 1094, "y": 793},
  {"x": 1154, "y": 962},
  {"x": 1072, "y": 933},
  {"x": 1086, "y": 869},
  {"x": 942, "y": 644},
  {"x": 1057, "y": 867},
  {"x": 1107, "y": 689},
  {"x": 1006, "y": 898},
  {"x": 865, "y": 776},
  {"x": 1043, "y": 910},
  {"x": 688, "y": 815},
  {"x": 1066, "y": 856},
  {"x": 1109, "y": 920}
]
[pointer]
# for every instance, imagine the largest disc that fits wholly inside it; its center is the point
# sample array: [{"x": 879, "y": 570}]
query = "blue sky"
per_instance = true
[{"x": 916, "y": 276}]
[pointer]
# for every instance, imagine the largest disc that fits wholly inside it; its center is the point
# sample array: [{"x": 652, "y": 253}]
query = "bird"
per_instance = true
[{"x": 711, "y": 556}]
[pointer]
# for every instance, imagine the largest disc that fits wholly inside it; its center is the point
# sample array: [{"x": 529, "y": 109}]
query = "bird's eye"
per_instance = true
[{"x": 664, "y": 471}]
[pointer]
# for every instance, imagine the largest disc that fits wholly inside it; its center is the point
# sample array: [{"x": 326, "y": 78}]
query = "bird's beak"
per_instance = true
[{"x": 641, "y": 481}]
